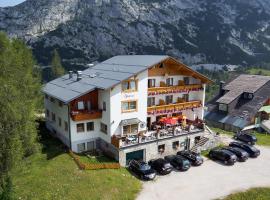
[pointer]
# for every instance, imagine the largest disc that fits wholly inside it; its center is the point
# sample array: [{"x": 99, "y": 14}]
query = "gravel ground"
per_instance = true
[{"x": 212, "y": 180}]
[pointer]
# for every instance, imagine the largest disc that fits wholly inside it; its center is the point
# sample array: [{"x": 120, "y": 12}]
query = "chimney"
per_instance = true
[
  {"x": 70, "y": 74},
  {"x": 79, "y": 75},
  {"x": 221, "y": 85}
]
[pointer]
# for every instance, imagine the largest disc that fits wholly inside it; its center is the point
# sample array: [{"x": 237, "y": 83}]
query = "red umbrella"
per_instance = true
[{"x": 171, "y": 121}]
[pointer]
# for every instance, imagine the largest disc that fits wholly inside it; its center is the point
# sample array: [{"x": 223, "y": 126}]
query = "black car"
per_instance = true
[
  {"x": 178, "y": 162},
  {"x": 251, "y": 150},
  {"x": 241, "y": 154},
  {"x": 142, "y": 170},
  {"x": 195, "y": 158},
  {"x": 225, "y": 156},
  {"x": 161, "y": 166},
  {"x": 246, "y": 137}
]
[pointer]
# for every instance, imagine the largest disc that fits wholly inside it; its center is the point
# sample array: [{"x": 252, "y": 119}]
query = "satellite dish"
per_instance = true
[{"x": 142, "y": 125}]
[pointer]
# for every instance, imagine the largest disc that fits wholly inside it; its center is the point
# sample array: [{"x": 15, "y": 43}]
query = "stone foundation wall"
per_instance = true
[{"x": 151, "y": 149}]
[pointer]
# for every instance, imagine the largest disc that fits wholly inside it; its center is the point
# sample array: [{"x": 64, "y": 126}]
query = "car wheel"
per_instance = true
[{"x": 226, "y": 162}]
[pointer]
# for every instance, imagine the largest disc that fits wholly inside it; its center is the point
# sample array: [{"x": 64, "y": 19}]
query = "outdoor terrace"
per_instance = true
[{"x": 155, "y": 135}]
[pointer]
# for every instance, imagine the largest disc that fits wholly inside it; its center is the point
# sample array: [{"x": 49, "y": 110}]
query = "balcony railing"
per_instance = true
[
  {"x": 86, "y": 115},
  {"x": 174, "y": 89},
  {"x": 142, "y": 138},
  {"x": 171, "y": 108}
]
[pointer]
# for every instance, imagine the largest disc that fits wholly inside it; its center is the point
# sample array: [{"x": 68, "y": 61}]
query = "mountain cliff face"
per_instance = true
[{"x": 216, "y": 31}]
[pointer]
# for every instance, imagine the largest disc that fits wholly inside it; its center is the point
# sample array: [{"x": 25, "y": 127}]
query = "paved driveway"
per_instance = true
[{"x": 210, "y": 181}]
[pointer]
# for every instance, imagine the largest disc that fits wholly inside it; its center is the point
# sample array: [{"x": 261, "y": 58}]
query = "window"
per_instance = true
[
  {"x": 161, "y": 65},
  {"x": 104, "y": 106},
  {"x": 60, "y": 103},
  {"x": 186, "y": 97},
  {"x": 66, "y": 126},
  {"x": 53, "y": 117},
  {"x": 175, "y": 145},
  {"x": 129, "y": 106},
  {"x": 151, "y": 83},
  {"x": 129, "y": 86},
  {"x": 223, "y": 107},
  {"x": 129, "y": 129},
  {"x": 161, "y": 148},
  {"x": 48, "y": 113},
  {"x": 59, "y": 122},
  {"x": 90, "y": 126},
  {"x": 248, "y": 95},
  {"x": 81, "y": 147},
  {"x": 186, "y": 80},
  {"x": 80, "y": 105},
  {"x": 103, "y": 128},
  {"x": 52, "y": 100},
  {"x": 169, "y": 99},
  {"x": 150, "y": 101},
  {"x": 80, "y": 127},
  {"x": 169, "y": 81}
]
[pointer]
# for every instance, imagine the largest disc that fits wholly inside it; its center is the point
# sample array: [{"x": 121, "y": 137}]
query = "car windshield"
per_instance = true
[
  {"x": 145, "y": 167},
  {"x": 253, "y": 148},
  {"x": 167, "y": 165}
]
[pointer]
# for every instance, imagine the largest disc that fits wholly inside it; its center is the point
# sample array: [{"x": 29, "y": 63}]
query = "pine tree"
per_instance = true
[
  {"x": 19, "y": 94},
  {"x": 57, "y": 68}
]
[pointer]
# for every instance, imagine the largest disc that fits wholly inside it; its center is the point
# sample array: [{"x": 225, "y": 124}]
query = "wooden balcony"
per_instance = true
[
  {"x": 171, "y": 108},
  {"x": 86, "y": 115},
  {"x": 174, "y": 89}
]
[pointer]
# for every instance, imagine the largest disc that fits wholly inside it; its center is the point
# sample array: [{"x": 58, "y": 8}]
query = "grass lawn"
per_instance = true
[
  {"x": 258, "y": 71},
  {"x": 252, "y": 194},
  {"x": 263, "y": 139},
  {"x": 52, "y": 174}
]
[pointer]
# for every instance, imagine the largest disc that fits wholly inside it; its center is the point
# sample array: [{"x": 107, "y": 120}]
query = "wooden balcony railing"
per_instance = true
[
  {"x": 86, "y": 115},
  {"x": 171, "y": 108},
  {"x": 174, "y": 89}
]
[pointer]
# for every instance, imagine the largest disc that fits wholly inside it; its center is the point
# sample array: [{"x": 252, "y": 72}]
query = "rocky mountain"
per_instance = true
[{"x": 213, "y": 31}]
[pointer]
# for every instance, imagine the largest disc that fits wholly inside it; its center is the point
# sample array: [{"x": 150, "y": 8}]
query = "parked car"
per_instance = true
[
  {"x": 241, "y": 154},
  {"x": 251, "y": 150},
  {"x": 195, "y": 158},
  {"x": 142, "y": 170},
  {"x": 246, "y": 137},
  {"x": 178, "y": 162},
  {"x": 225, "y": 156},
  {"x": 161, "y": 166}
]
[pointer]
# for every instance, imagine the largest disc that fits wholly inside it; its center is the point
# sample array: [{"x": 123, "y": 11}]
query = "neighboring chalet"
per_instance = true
[
  {"x": 240, "y": 103},
  {"x": 136, "y": 106}
]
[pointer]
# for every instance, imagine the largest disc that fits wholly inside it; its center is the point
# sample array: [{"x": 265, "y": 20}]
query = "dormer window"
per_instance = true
[
  {"x": 248, "y": 96},
  {"x": 223, "y": 107}
]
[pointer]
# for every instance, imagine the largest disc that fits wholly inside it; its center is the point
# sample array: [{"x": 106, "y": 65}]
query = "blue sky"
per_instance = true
[{"x": 4, "y": 3}]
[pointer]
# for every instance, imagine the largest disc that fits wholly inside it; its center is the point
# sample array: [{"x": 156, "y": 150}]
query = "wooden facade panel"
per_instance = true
[
  {"x": 91, "y": 97},
  {"x": 172, "y": 67}
]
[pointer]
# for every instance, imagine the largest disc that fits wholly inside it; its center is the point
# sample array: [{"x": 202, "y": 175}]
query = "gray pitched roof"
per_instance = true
[
  {"x": 243, "y": 83},
  {"x": 102, "y": 76}
]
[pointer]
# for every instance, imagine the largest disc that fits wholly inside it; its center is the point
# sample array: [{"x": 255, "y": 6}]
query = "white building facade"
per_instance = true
[{"x": 116, "y": 106}]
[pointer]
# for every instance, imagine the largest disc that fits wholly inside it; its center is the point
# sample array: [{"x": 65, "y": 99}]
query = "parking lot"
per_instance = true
[{"x": 212, "y": 180}]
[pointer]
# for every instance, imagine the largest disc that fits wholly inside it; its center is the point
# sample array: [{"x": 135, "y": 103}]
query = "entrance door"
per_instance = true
[
  {"x": 149, "y": 123},
  {"x": 187, "y": 146},
  {"x": 136, "y": 155},
  {"x": 197, "y": 139},
  {"x": 90, "y": 146},
  {"x": 89, "y": 105}
]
